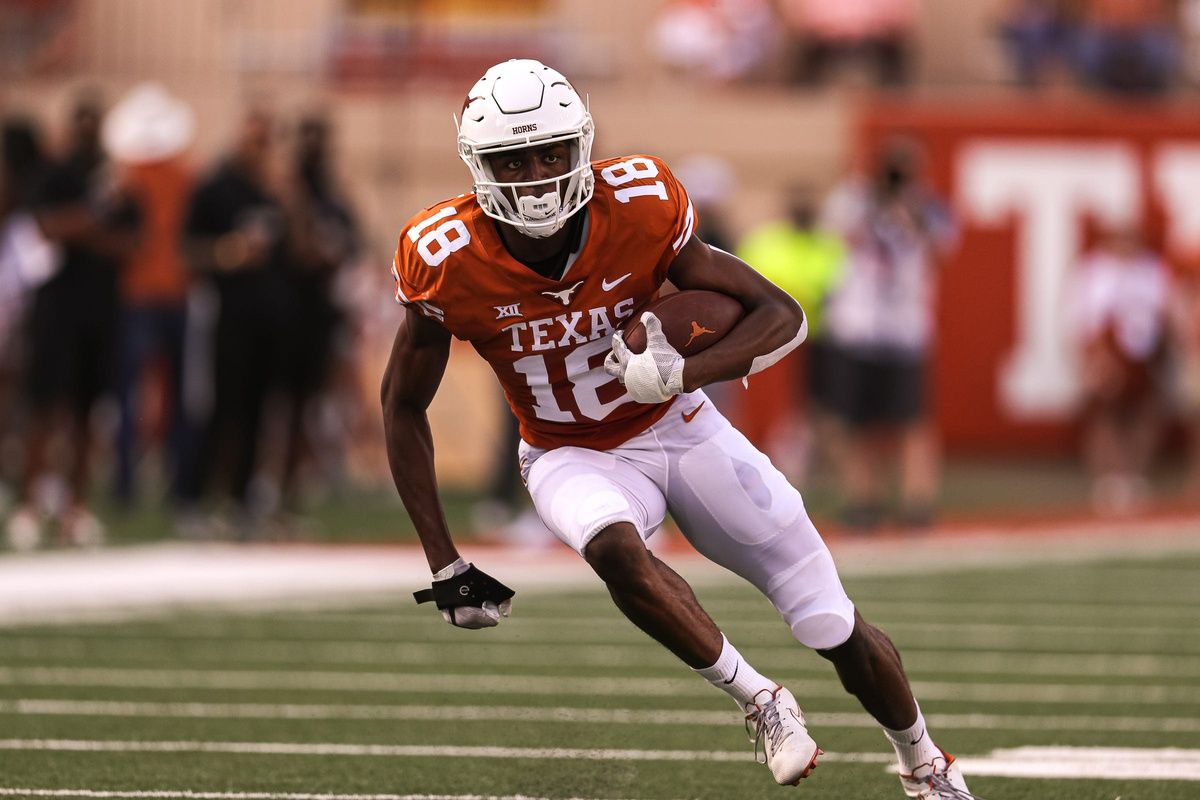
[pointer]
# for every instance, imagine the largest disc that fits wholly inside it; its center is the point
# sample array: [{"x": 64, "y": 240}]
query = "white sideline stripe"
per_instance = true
[
  {"x": 402, "y": 751},
  {"x": 611, "y": 716},
  {"x": 524, "y": 684},
  {"x": 172, "y": 794},
  {"x": 530, "y": 654},
  {"x": 1104, "y": 763},
  {"x": 156, "y": 580}
]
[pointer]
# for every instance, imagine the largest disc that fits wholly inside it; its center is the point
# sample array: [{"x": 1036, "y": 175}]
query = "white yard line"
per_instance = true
[
  {"x": 1105, "y": 763},
  {"x": 560, "y": 714},
  {"x": 524, "y": 684},
  {"x": 168, "y": 794},
  {"x": 403, "y": 751},
  {"x": 527, "y": 653}
]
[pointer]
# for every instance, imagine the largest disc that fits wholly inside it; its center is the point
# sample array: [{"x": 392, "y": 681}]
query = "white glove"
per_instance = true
[
  {"x": 485, "y": 616},
  {"x": 653, "y": 375}
]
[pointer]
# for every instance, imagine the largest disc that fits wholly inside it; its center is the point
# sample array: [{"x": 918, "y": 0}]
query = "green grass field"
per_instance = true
[{"x": 567, "y": 700}]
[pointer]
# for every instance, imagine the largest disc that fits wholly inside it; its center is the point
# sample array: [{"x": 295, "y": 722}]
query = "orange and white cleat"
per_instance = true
[
  {"x": 779, "y": 729},
  {"x": 940, "y": 779}
]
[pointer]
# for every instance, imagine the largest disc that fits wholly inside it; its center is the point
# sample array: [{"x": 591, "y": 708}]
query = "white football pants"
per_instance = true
[{"x": 728, "y": 499}]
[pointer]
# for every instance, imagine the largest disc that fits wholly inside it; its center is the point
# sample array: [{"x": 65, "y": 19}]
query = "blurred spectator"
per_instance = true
[
  {"x": 710, "y": 185},
  {"x": 1129, "y": 46},
  {"x": 806, "y": 262},
  {"x": 1185, "y": 327},
  {"x": 877, "y": 32},
  {"x": 714, "y": 39},
  {"x": 73, "y": 327},
  {"x": 1120, "y": 315},
  {"x": 1189, "y": 30},
  {"x": 236, "y": 246},
  {"x": 324, "y": 240},
  {"x": 146, "y": 135},
  {"x": 880, "y": 323},
  {"x": 1039, "y": 36},
  {"x": 26, "y": 261}
]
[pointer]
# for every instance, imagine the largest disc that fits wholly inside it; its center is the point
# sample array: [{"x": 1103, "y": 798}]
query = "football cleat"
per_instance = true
[
  {"x": 939, "y": 780},
  {"x": 779, "y": 730}
]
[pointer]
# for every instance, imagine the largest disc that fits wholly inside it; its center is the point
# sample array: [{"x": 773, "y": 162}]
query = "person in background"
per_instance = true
[
  {"x": 880, "y": 321},
  {"x": 711, "y": 183},
  {"x": 1129, "y": 47},
  {"x": 324, "y": 239},
  {"x": 805, "y": 261},
  {"x": 146, "y": 135},
  {"x": 1120, "y": 300},
  {"x": 716, "y": 40},
  {"x": 26, "y": 261},
  {"x": 236, "y": 246},
  {"x": 73, "y": 327},
  {"x": 879, "y": 32},
  {"x": 1038, "y": 36},
  {"x": 1185, "y": 328}
]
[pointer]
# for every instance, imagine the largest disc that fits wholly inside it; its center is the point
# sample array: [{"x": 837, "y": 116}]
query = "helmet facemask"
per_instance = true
[{"x": 540, "y": 214}]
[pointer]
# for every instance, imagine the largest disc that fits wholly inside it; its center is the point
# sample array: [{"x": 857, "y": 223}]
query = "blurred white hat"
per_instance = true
[{"x": 147, "y": 125}]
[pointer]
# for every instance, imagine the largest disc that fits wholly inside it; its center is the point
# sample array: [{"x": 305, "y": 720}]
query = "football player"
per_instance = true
[{"x": 539, "y": 268}]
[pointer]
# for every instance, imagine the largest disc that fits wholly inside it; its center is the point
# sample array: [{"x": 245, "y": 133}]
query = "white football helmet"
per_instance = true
[{"x": 517, "y": 104}]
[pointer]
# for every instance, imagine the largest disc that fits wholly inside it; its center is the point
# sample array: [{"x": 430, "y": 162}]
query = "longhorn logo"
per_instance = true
[
  {"x": 564, "y": 295},
  {"x": 697, "y": 330}
]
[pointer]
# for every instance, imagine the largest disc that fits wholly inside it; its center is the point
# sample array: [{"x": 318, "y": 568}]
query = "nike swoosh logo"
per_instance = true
[
  {"x": 609, "y": 286},
  {"x": 688, "y": 416},
  {"x": 919, "y": 738},
  {"x": 738, "y": 664}
]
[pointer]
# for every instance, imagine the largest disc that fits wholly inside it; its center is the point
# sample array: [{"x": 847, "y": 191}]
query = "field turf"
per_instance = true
[{"x": 567, "y": 700}]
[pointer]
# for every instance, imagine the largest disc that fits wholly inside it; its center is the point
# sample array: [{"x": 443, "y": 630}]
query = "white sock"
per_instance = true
[
  {"x": 731, "y": 674},
  {"x": 914, "y": 746}
]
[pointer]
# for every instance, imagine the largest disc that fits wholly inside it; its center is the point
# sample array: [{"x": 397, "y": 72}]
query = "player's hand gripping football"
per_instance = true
[
  {"x": 468, "y": 597},
  {"x": 653, "y": 375}
]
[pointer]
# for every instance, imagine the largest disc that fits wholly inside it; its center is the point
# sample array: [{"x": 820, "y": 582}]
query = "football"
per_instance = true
[{"x": 692, "y": 320}]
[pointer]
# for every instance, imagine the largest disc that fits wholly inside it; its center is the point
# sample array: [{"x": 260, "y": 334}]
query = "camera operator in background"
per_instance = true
[{"x": 880, "y": 322}]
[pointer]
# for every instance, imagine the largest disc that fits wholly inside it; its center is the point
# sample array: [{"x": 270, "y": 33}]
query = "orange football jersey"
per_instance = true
[{"x": 546, "y": 338}]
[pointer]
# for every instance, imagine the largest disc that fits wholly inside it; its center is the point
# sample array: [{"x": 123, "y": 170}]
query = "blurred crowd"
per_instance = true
[
  {"x": 198, "y": 330},
  {"x": 1135, "y": 47},
  {"x": 154, "y": 311}
]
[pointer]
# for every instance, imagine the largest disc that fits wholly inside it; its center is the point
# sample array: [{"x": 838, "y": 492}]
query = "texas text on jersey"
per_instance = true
[{"x": 546, "y": 338}]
